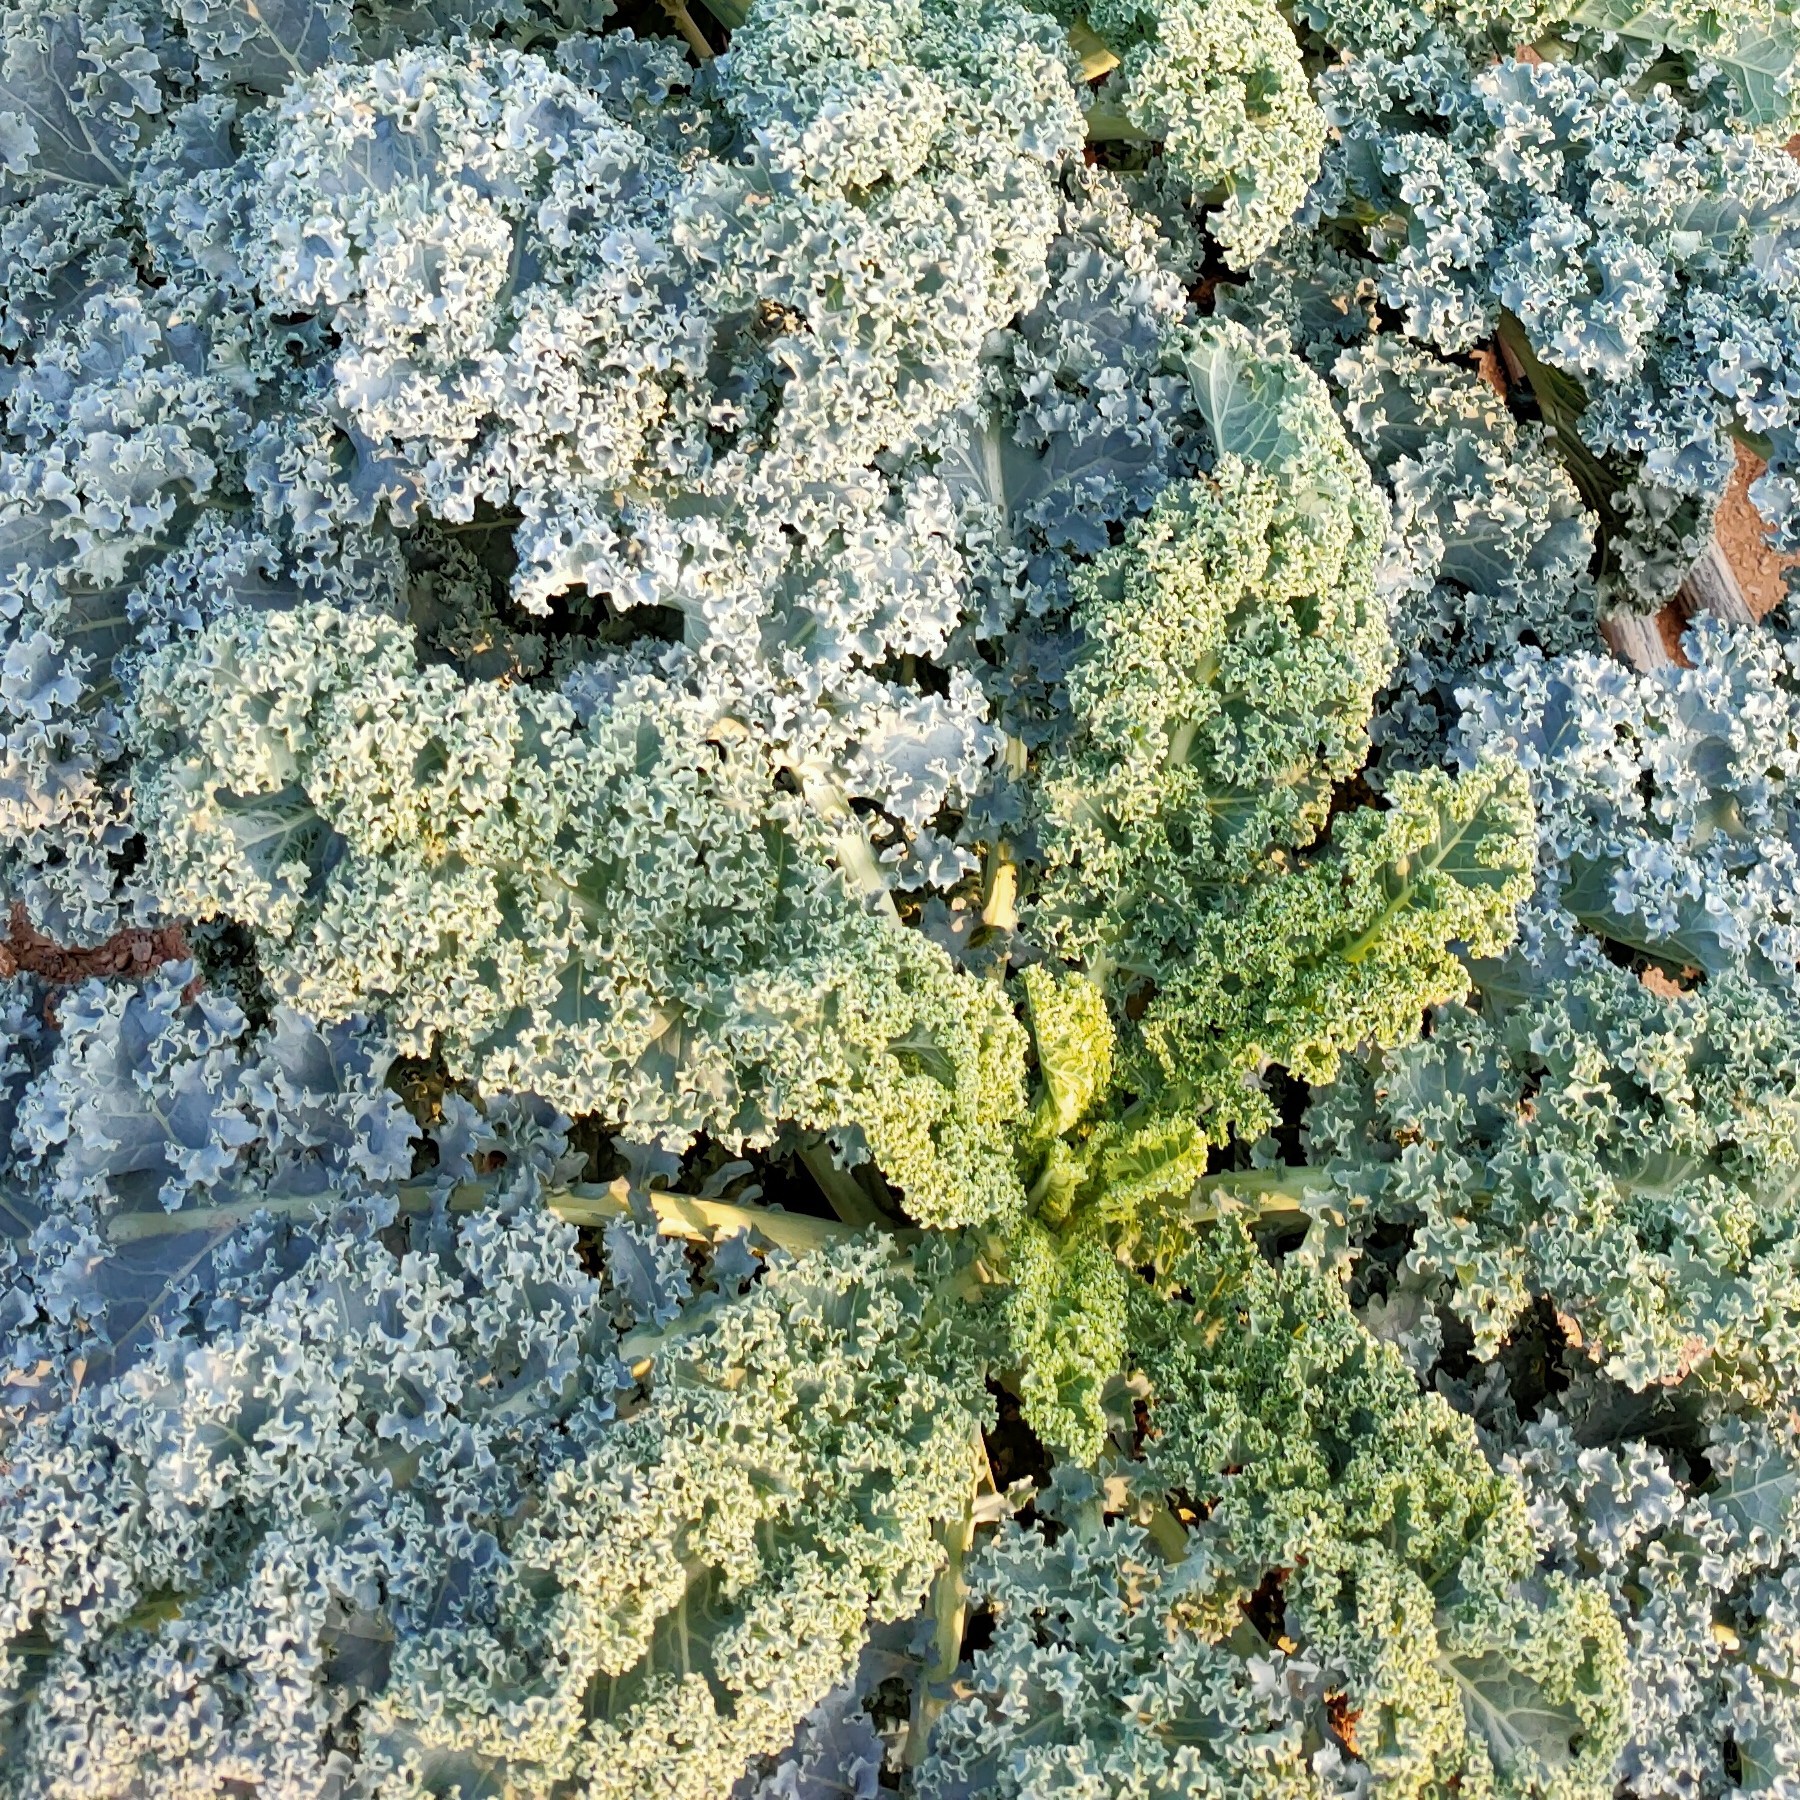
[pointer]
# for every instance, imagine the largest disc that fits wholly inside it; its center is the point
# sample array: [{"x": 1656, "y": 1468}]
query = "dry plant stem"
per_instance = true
[
  {"x": 1637, "y": 639},
  {"x": 1652, "y": 641},
  {"x": 1712, "y": 587}
]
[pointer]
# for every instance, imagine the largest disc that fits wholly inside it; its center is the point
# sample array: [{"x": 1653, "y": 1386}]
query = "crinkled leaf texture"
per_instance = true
[
  {"x": 653, "y": 589},
  {"x": 1636, "y": 254},
  {"x": 625, "y": 914},
  {"x": 1619, "y": 1141},
  {"x": 1699, "y": 1552},
  {"x": 142, "y": 1137},
  {"x": 1664, "y": 798},
  {"x": 413, "y": 1527},
  {"x": 1219, "y": 85},
  {"x": 1628, "y": 1154},
  {"x": 1286, "y": 1453},
  {"x": 310, "y": 299},
  {"x": 1232, "y": 646}
]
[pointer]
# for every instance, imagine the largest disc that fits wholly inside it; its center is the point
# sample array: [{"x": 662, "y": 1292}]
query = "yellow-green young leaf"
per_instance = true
[
  {"x": 1065, "y": 1325},
  {"x": 1231, "y": 649},
  {"x": 1094, "y": 57},
  {"x": 1349, "y": 949},
  {"x": 1073, "y": 1040}
]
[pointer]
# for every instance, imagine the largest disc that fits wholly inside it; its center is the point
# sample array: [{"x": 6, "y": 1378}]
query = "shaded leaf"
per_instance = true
[{"x": 1518, "y": 1721}]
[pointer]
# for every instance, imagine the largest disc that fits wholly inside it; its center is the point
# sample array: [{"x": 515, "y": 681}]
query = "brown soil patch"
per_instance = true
[
  {"x": 1671, "y": 622},
  {"x": 1342, "y": 1718},
  {"x": 1490, "y": 368},
  {"x": 1743, "y": 537},
  {"x": 132, "y": 952}
]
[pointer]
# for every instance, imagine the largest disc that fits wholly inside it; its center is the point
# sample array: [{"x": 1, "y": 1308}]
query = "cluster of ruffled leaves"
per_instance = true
[
  {"x": 1492, "y": 543},
  {"x": 1230, "y": 650},
  {"x": 1604, "y": 189},
  {"x": 600, "y": 896},
  {"x": 1173, "y": 790},
  {"x": 1497, "y": 546},
  {"x": 829, "y": 370},
  {"x": 282, "y": 282},
  {"x": 1635, "y": 254},
  {"x": 1611, "y": 1128},
  {"x": 625, "y": 897},
  {"x": 1306, "y": 1560},
  {"x": 1737, "y": 59},
  {"x": 279, "y": 349},
  {"x": 734, "y": 1476},
  {"x": 427, "y": 263},
  {"x": 1298, "y": 970},
  {"x": 1287, "y": 1572},
  {"x": 562, "y": 304},
  {"x": 423, "y": 1493},
  {"x": 342, "y": 1482},
  {"x": 1628, "y": 1154},
  {"x": 1666, "y": 801},
  {"x": 1084, "y": 412},
  {"x": 1220, "y": 87},
  {"x": 1574, "y": 1199},
  {"x": 1698, "y": 1549},
  {"x": 139, "y": 1139}
]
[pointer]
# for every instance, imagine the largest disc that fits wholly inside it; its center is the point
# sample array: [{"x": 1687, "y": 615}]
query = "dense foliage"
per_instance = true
[{"x": 944, "y": 1020}]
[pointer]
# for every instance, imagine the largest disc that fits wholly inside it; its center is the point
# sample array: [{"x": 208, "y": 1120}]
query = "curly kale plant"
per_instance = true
[
  {"x": 1609, "y": 1127},
  {"x": 1740, "y": 57},
  {"x": 1496, "y": 547},
  {"x": 1309, "y": 1561},
  {"x": 1635, "y": 257},
  {"x": 552, "y": 300},
  {"x": 933, "y": 1025},
  {"x": 1220, "y": 86},
  {"x": 1231, "y": 648},
  {"x": 421, "y": 1503},
  {"x": 1630, "y": 1156},
  {"x": 1666, "y": 801},
  {"x": 605, "y": 899},
  {"x": 336, "y": 1456},
  {"x": 140, "y": 1137},
  {"x": 1698, "y": 1549}
]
